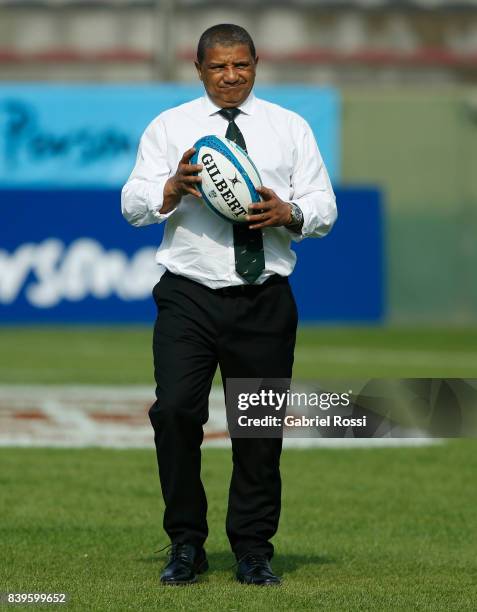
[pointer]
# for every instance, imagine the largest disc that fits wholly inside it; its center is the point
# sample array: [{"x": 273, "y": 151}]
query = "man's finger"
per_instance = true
[
  {"x": 187, "y": 155},
  {"x": 260, "y": 225},
  {"x": 266, "y": 192},
  {"x": 189, "y": 168},
  {"x": 259, "y": 218},
  {"x": 193, "y": 191},
  {"x": 191, "y": 179},
  {"x": 260, "y": 206}
]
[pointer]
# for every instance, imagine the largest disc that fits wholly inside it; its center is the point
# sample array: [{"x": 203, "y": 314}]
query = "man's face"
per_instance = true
[{"x": 228, "y": 74}]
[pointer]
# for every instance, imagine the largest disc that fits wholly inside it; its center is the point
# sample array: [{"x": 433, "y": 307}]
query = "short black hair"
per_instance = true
[{"x": 226, "y": 34}]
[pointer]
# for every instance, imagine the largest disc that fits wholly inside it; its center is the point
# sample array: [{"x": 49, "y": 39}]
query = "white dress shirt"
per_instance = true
[{"x": 197, "y": 243}]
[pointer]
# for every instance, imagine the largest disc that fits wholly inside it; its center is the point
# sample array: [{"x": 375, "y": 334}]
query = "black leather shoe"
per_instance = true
[
  {"x": 255, "y": 569},
  {"x": 185, "y": 563}
]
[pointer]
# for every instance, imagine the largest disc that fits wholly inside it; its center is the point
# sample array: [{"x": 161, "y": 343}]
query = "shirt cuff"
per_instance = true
[
  {"x": 297, "y": 236},
  {"x": 318, "y": 218},
  {"x": 155, "y": 201}
]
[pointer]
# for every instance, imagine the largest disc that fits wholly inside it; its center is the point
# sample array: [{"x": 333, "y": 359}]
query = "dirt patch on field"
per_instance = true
[{"x": 88, "y": 416}]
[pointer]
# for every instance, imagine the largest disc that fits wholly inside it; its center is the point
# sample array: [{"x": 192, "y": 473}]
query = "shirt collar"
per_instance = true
[{"x": 246, "y": 107}]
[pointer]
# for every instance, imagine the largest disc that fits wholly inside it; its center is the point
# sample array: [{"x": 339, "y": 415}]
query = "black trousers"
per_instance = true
[{"x": 250, "y": 333}]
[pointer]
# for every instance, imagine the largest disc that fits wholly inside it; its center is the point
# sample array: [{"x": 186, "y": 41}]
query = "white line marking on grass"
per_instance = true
[
  {"x": 388, "y": 356},
  {"x": 115, "y": 417}
]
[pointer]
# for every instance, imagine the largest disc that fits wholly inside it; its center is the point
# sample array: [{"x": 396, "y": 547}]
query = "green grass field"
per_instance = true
[
  {"x": 363, "y": 529},
  {"x": 369, "y": 529},
  {"x": 122, "y": 355}
]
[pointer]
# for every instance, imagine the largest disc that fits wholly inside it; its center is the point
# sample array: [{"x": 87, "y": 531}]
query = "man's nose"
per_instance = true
[{"x": 230, "y": 75}]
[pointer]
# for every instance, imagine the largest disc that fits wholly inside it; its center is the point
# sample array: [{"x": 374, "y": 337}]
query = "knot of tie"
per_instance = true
[{"x": 229, "y": 113}]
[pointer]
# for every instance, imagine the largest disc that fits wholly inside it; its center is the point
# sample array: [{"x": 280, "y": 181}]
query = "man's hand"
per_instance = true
[
  {"x": 182, "y": 183},
  {"x": 273, "y": 212}
]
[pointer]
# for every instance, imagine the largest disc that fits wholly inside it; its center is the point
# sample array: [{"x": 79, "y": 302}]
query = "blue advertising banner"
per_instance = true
[
  {"x": 86, "y": 136},
  {"x": 68, "y": 256}
]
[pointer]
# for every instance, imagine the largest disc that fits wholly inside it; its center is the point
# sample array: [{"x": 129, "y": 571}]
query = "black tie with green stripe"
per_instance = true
[{"x": 248, "y": 244}]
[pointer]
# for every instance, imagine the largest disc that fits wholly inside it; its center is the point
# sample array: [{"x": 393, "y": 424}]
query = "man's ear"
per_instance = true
[
  {"x": 256, "y": 60},
  {"x": 199, "y": 69}
]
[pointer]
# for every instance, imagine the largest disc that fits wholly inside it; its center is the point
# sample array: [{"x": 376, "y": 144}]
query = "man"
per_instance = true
[{"x": 224, "y": 297}]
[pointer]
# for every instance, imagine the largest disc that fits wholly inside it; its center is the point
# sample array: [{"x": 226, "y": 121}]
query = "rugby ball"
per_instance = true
[{"x": 229, "y": 177}]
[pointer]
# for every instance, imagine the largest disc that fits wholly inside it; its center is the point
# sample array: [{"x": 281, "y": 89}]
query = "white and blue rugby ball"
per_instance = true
[{"x": 229, "y": 177}]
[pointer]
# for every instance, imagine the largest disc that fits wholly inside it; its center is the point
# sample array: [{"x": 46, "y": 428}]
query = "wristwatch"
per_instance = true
[{"x": 296, "y": 216}]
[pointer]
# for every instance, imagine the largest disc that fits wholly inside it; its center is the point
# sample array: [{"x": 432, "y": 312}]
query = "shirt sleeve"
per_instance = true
[
  {"x": 311, "y": 186},
  {"x": 142, "y": 195}
]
